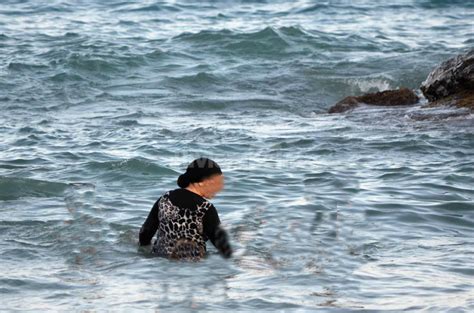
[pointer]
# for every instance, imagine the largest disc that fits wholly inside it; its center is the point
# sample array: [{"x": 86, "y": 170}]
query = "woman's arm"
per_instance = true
[
  {"x": 150, "y": 226},
  {"x": 214, "y": 231}
]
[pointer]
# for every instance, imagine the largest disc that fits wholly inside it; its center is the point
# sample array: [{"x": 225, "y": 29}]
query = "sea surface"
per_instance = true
[{"x": 104, "y": 103}]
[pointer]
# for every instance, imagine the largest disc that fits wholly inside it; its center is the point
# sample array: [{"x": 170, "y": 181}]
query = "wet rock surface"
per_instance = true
[
  {"x": 403, "y": 96},
  {"x": 453, "y": 76}
]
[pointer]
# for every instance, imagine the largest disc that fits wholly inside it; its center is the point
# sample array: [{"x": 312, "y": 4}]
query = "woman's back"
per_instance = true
[{"x": 185, "y": 221}]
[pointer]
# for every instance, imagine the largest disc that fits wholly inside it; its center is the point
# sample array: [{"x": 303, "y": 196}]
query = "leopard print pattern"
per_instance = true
[{"x": 180, "y": 231}]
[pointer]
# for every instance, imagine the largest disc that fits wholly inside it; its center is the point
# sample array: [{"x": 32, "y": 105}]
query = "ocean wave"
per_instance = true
[
  {"x": 199, "y": 79},
  {"x": 12, "y": 188},
  {"x": 267, "y": 41},
  {"x": 130, "y": 166},
  {"x": 364, "y": 85},
  {"x": 152, "y": 8},
  {"x": 251, "y": 103},
  {"x": 21, "y": 66},
  {"x": 279, "y": 41},
  {"x": 36, "y": 9},
  {"x": 72, "y": 56}
]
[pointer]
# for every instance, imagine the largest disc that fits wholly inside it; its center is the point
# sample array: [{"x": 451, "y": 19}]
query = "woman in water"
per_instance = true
[{"x": 185, "y": 220}]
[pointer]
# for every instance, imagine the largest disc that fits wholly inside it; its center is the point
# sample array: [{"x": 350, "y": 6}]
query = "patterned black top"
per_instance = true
[{"x": 185, "y": 221}]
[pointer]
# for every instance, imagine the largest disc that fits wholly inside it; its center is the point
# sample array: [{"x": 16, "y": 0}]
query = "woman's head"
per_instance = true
[{"x": 204, "y": 176}]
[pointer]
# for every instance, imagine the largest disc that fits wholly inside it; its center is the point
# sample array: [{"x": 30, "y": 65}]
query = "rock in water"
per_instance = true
[
  {"x": 453, "y": 76},
  {"x": 451, "y": 84},
  {"x": 402, "y": 96}
]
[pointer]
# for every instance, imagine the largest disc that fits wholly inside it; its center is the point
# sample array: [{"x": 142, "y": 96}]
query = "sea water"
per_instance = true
[{"x": 104, "y": 103}]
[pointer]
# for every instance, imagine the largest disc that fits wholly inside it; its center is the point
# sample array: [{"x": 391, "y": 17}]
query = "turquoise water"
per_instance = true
[{"x": 104, "y": 103}]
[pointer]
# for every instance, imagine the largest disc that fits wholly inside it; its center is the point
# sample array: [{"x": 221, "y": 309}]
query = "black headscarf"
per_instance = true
[{"x": 197, "y": 171}]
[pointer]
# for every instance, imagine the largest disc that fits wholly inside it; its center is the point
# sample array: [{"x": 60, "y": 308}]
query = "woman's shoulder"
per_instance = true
[{"x": 185, "y": 198}]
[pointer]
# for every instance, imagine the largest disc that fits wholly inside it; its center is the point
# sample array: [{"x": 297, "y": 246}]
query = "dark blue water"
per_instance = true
[{"x": 104, "y": 103}]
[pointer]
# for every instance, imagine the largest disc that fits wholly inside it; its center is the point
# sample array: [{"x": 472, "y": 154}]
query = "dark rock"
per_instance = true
[
  {"x": 463, "y": 99},
  {"x": 451, "y": 83},
  {"x": 450, "y": 77},
  {"x": 403, "y": 96}
]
